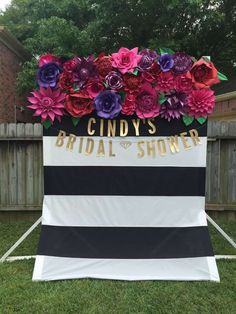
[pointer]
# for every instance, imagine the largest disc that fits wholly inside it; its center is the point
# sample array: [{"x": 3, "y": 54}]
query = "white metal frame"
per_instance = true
[{"x": 8, "y": 258}]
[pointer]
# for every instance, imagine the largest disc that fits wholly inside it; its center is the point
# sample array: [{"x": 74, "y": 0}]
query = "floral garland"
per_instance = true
[{"x": 146, "y": 83}]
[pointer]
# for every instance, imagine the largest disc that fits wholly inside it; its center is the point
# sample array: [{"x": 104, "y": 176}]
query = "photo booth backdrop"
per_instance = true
[{"x": 128, "y": 208}]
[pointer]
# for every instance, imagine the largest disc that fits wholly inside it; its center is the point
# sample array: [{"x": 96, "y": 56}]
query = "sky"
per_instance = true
[{"x": 4, "y": 3}]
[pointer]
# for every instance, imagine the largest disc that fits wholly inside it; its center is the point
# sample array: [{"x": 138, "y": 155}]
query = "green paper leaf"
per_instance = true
[
  {"x": 135, "y": 72},
  {"x": 165, "y": 50},
  {"x": 194, "y": 59},
  {"x": 206, "y": 59},
  {"x": 76, "y": 89},
  {"x": 162, "y": 98},
  {"x": 47, "y": 124},
  {"x": 75, "y": 121},
  {"x": 105, "y": 84},
  {"x": 187, "y": 120},
  {"x": 202, "y": 120},
  {"x": 222, "y": 77},
  {"x": 122, "y": 95}
]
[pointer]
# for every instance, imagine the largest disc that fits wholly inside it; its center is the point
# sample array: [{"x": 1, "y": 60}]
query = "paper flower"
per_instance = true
[
  {"x": 166, "y": 62},
  {"x": 103, "y": 64},
  {"x": 165, "y": 82},
  {"x": 203, "y": 74},
  {"x": 182, "y": 63},
  {"x": 146, "y": 101},
  {"x": 48, "y": 75},
  {"x": 71, "y": 65},
  {"x": 94, "y": 87},
  {"x": 131, "y": 83},
  {"x": 174, "y": 107},
  {"x": 129, "y": 105},
  {"x": 108, "y": 104},
  {"x": 200, "y": 102},
  {"x": 48, "y": 58},
  {"x": 183, "y": 83},
  {"x": 114, "y": 80},
  {"x": 79, "y": 104},
  {"x": 84, "y": 71},
  {"x": 66, "y": 81},
  {"x": 126, "y": 60},
  {"x": 47, "y": 103},
  {"x": 148, "y": 57},
  {"x": 152, "y": 74}
]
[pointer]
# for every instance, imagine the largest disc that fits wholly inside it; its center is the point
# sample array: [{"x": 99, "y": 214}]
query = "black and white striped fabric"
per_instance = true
[{"x": 124, "y": 217}]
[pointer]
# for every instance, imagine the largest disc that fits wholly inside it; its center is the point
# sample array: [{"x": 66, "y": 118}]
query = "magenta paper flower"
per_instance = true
[
  {"x": 174, "y": 107},
  {"x": 47, "y": 103},
  {"x": 201, "y": 102},
  {"x": 147, "y": 102},
  {"x": 126, "y": 60}
]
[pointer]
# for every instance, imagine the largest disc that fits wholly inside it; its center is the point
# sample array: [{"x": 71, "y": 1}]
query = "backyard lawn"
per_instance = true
[{"x": 18, "y": 294}]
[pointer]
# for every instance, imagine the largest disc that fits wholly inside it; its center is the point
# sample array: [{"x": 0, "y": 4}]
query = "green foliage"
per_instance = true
[{"x": 83, "y": 27}]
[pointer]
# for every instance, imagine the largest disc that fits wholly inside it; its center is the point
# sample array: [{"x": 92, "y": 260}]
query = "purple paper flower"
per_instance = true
[
  {"x": 108, "y": 104},
  {"x": 48, "y": 75},
  {"x": 182, "y": 63},
  {"x": 148, "y": 57},
  {"x": 114, "y": 80},
  {"x": 85, "y": 70},
  {"x": 166, "y": 62},
  {"x": 174, "y": 107}
]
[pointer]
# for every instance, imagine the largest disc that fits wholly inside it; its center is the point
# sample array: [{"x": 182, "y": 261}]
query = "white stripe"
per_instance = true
[
  {"x": 56, "y": 268},
  {"x": 60, "y": 156},
  {"x": 134, "y": 211}
]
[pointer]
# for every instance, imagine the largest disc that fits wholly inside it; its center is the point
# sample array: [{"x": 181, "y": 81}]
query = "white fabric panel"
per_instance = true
[
  {"x": 55, "y": 268},
  {"x": 130, "y": 211},
  {"x": 60, "y": 156}
]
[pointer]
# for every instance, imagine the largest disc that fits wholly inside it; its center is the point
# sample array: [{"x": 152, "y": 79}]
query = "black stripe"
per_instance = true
[
  {"x": 150, "y": 181},
  {"x": 164, "y": 128},
  {"x": 123, "y": 242}
]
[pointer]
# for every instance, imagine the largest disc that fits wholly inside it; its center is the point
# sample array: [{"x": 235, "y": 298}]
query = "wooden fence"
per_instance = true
[{"x": 21, "y": 167}]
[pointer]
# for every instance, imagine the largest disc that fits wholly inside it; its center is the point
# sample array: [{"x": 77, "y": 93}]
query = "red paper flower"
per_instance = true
[
  {"x": 131, "y": 83},
  {"x": 146, "y": 101},
  {"x": 203, "y": 74},
  {"x": 94, "y": 87},
  {"x": 201, "y": 102},
  {"x": 165, "y": 82},
  {"x": 48, "y": 58},
  {"x": 66, "y": 81},
  {"x": 79, "y": 104},
  {"x": 152, "y": 74},
  {"x": 129, "y": 105},
  {"x": 47, "y": 103},
  {"x": 71, "y": 65},
  {"x": 103, "y": 64}
]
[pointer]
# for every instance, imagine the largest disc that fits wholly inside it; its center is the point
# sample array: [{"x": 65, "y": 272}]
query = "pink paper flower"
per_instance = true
[
  {"x": 183, "y": 83},
  {"x": 126, "y": 60},
  {"x": 146, "y": 101},
  {"x": 48, "y": 103},
  {"x": 165, "y": 82},
  {"x": 201, "y": 102},
  {"x": 48, "y": 58}
]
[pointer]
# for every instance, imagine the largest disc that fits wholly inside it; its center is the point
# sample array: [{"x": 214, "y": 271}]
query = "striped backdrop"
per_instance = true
[{"x": 124, "y": 217}]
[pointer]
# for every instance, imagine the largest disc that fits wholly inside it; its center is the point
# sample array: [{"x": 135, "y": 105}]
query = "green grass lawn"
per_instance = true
[{"x": 18, "y": 294}]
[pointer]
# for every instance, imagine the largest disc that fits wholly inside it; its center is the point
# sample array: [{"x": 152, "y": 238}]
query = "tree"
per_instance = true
[{"x": 82, "y": 27}]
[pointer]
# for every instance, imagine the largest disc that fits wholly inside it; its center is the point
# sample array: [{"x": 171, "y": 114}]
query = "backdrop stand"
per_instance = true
[{"x": 6, "y": 257}]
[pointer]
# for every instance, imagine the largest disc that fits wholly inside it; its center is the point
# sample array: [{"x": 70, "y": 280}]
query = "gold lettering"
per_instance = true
[
  {"x": 123, "y": 127},
  {"x": 140, "y": 148},
  {"x": 89, "y": 129},
  {"x": 89, "y": 146},
  {"x": 111, "y": 154},
  {"x": 173, "y": 143},
  {"x": 153, "y": 128},
  {"x": 81, "y": 144},
  {"x": 161, "y": 147},
  {"x": 101, "y": 149},
  {"x": 60, "y": 138},
  {"x": 70, "y": 143},
  {"x": 185, "y": 141},
  {"x": 136, "y": 126},
  {"x": 151, "y": 148},
  {"x": 111, "y": 128},
  {"x": 194, "y": 136},
  {"x": 101, "y": 127}
]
